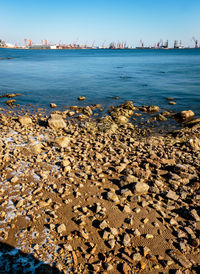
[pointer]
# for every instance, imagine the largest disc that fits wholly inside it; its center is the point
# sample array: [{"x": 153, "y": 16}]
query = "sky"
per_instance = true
[{"x": 99, "y": 21}]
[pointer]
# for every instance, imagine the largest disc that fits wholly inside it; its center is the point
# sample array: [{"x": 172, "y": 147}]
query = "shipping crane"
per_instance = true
[
  {"x": 27, "y": 43},
  {"x": 142, "y": 44},
  {"x": 103, "y": 45},
  {"x": 196, "y": 42},
  {"x": 44, "y": 42}
]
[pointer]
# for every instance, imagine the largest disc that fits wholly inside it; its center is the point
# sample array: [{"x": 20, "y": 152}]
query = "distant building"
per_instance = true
[{"x": 2, "y": 43}]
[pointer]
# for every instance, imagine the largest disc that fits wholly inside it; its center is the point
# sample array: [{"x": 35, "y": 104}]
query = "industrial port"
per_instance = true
[{"x": 29, "y": 44}]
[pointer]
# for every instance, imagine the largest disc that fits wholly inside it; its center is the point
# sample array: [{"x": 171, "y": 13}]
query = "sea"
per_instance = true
[{"x": 145, "y": 76}]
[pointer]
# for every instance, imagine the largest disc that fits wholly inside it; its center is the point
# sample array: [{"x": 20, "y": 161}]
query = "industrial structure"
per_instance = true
[{"x": 28, "y": 44}]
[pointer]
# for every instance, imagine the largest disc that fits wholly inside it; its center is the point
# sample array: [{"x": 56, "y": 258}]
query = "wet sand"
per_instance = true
[{"x": 99, "y": 195}]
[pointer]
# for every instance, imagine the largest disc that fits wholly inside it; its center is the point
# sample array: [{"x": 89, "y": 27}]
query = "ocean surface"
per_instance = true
[{"x": 147, "y": 77}]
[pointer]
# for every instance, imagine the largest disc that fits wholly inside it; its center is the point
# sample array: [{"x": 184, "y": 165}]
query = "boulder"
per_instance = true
[{"x": 56, "y": 122}]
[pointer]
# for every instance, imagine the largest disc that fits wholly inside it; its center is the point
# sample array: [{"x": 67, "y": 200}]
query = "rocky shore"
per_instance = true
[{"x": 82, "y": 194}]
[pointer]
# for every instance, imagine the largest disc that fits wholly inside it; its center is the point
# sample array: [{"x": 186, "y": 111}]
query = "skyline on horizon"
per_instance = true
[{"x": 100, "y": 22}]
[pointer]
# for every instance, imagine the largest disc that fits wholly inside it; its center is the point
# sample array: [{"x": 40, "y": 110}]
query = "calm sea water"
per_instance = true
[{"x": 144, "y": 76}]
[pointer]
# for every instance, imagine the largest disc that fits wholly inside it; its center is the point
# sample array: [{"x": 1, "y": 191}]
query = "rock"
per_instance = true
[
  {"x": 87, "y": 111},
  {"x": 56, "y": 122},
  {"x": 81, "y": 98},
  {"x": 172, "y": 103},
  {"x": 194, "y": 143},
  {"x": 184, "y": 115},
  {"x": 172, "y": 195},
  {"x": 103, "y": 225},
  {"x": 195, "y": 215},
  {"x": 61, "y": 228},
  {"x": 62, "y": 142},
  {"x": 111, "y": 243},
  {"x": 112, "y": 197},
  {"x": 126, "y": 268},
  {"x": 107, "y": 124},
  {"x": 52, "y": 105},
  {"x": 10, "y": 102},
  {"x": 36, "y": 148},
  {"x": 161, "y": 117},
  {"x": 149, "y": 236},
  {"x": 121, "y": 119},
  {"x": 126, "y": 239},
  {"x": 153, "y": 109},
  {"x": 25, "y": 120},
  {"x": 180, "y": 258},
  {"x": 141, "y": 188},
  {"x": 137, "y": 257}
]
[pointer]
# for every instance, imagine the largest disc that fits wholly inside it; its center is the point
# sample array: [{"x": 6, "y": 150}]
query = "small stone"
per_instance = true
[
  {"x": 111, "y": 243},
  {"x": 62, "y": 142},
  {"x": 149, "y": 236},
  {"x": 137, "y": 257},
  {"x": 141, "y": 188},
  {"x": 25, "y": 120},
  {"x": 81, "y": 98},
  {"x": 127, "y": 209},
  {"x": 172, "y": 195},
  {"x": 52, "y": 105},
  {"x": 126, "y": 239},
  {"x": 195, "y": 215},
  {"x": 56, "y": 122},
  {"x": 103, "y": 225},
  {"x": 112, "y": 197},
  {"x": 61, "y": 228}
]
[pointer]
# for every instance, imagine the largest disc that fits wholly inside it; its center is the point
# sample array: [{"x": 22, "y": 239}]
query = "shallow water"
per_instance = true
[{"x": 144, "y": 76}]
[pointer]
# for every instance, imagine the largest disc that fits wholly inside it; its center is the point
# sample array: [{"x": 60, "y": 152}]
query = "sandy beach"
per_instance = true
[{"x": 82, "y": 194}]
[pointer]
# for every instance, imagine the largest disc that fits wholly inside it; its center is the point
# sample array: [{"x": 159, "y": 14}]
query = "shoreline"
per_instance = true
[{"x": 96, "y": 195}]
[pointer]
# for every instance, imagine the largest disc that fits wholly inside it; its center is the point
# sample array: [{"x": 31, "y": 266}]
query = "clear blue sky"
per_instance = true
[{"x": 91, "y": 20}]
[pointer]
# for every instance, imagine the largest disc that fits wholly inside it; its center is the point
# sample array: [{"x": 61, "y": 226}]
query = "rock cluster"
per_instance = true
[{"x": 98, "y": 196}]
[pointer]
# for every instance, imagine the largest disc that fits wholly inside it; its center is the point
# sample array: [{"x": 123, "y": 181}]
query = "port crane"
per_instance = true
[
  {"x": 142, "y": 44},
  {"x": 196, "y": 42},
  {"x": 27, "y": 43},
  {"x": 44, "y": 42}
]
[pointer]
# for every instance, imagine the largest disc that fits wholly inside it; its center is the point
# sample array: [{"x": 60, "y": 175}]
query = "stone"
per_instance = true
[
  {"x": 81, "y": 98},
  {"x": 153, "y": 109},
  {"x": 184, "y": 115},
  {"x": 141, "y": 188},
  {"x": 180, "y": 258},
  {"x": 194, "y": 143},
  {"x": 172, "y": 103},
  {"x": 52, "y": 105},
  {"x": 103, "y": 225},
  {"x": 112, "y": 197},
  {"x": 62, "y": 141},
  {"x": 172, "y": 195},
  {"x": 61, "y": 228},
  {"x": 25, "y": 120},
  {"x": 56, "y": 122},
  {"x": 195, "y": 215},
  {"x": 126, "y": 239},
  {"x": 149, "y": 236}
]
